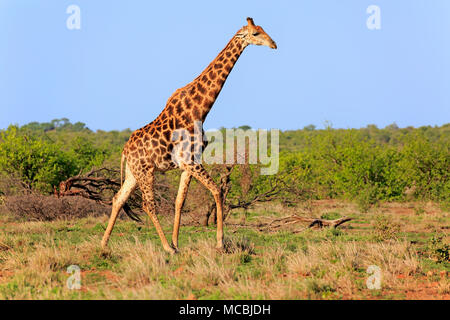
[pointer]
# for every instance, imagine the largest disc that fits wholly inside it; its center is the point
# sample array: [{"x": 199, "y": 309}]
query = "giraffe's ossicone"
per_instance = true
[{"x": 152, "y": 147}]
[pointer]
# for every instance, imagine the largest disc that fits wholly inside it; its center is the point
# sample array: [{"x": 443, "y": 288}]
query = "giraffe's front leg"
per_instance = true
[
  {"x": 199, "y": 173},
  {"x": 182, "y": 192}
]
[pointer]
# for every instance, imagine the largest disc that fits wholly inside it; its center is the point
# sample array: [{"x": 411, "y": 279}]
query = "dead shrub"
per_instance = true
[
  {"x": 47, "y": 208},
  {"x": 11, "y": 185}
]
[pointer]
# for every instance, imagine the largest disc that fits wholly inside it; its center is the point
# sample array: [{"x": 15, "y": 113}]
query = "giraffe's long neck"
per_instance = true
[
  {"x": 194, "y": 101},
  {"x": 213, "y": 78}
]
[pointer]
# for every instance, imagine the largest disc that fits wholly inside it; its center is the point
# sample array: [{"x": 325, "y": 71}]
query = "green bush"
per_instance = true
[
  {"x": 426, "y": 167},
  {"x": 41, "y": 164},
  {"x": 38, "y": 164},
  {"x": 365, "y": 165},
  {"x": 352, "y": 164}
]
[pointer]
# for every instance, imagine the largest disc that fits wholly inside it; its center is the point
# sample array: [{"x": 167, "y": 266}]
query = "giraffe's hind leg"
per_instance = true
[
  {"x": 149, "y": 206},
  {"x": 119, "y": 200},
  {"x": 199, "y": 173},
  {"x": 182, "y": 192}
]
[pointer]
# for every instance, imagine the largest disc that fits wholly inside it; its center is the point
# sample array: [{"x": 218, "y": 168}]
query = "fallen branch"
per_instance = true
[
  {"x": 312, "y": 222},
  {"x": 91, "y": 186}
]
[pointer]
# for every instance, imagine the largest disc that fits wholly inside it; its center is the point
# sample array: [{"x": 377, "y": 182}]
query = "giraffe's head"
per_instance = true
[{"x": 253, "y": 34}]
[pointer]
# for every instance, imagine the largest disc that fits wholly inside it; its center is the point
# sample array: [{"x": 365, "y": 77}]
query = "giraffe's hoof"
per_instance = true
[
  {"x": 171, "y": 250},
  {"x": 220, "y": 248}
]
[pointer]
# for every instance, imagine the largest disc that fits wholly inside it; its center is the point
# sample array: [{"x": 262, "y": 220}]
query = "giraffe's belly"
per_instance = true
[
  {"x": 165, "y": 165},
  {"x": 187, "y": 152}
]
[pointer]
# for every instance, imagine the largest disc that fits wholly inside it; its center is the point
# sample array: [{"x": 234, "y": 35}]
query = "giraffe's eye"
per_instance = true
[{"x": 256, "y": 34}]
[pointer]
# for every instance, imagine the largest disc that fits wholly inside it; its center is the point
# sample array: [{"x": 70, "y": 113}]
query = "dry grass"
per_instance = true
[{"x": 315, "y": 264}]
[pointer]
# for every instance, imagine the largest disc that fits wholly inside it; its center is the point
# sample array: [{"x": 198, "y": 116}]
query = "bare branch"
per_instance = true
[
  {"x": 92, "y": 186},
  {"x": 278, "y": 223}
]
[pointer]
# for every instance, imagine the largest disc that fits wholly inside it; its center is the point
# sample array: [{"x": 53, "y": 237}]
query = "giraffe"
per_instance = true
[{"x": 150, "y": 148}]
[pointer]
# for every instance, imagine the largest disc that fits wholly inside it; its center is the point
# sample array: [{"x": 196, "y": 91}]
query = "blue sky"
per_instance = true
[{"x": 118, "y": 70}]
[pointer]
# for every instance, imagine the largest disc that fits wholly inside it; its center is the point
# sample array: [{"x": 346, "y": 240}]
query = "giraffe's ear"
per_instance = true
[{"x": 250, "y": 22}]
